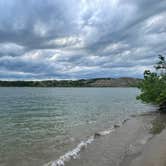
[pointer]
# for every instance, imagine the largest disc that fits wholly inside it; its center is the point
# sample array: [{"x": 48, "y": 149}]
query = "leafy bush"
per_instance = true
[{"x": 153, "y": 86}]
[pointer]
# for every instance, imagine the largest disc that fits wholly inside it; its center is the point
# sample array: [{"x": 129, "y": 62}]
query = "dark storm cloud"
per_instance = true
[{"x": 80, "y": 39}]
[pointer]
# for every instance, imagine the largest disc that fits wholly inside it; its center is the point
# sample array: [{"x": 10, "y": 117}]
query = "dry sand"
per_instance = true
[{"x": 153, "y": 153}]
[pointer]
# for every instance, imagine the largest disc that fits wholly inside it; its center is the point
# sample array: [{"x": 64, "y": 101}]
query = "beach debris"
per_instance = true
[
  {"x": 103, "y": 133},
  {"x": 124, "y": 121},
  {"x": 117, "y": 125},
  {"x": 97, "y": 134}
]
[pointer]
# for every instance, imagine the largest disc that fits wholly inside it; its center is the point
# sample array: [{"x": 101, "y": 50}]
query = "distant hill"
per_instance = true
[
  {"x": 97, "y": 82},
  {"x": 115, "y": 82}
]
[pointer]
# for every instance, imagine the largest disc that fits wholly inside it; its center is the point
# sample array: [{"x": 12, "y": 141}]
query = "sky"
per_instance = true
[{"x": 80, "y": 39}]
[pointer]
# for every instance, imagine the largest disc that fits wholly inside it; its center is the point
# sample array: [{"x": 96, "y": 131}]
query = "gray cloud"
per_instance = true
[{"x": 80, "y": 39}]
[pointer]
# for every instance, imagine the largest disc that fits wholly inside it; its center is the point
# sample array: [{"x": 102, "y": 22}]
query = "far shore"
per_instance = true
[{"x": 94, "y": 82}]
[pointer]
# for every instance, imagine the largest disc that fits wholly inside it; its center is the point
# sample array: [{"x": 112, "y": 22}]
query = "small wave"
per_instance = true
[
  {"x": 103, "y": 133},
  {"x": 74, "y": 154}
]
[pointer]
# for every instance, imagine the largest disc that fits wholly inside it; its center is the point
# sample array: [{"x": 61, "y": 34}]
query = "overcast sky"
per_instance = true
[{"x": 74, "y": 39}]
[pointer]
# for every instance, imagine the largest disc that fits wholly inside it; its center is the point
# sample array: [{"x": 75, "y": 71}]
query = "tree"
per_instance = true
[
  {"x": 153, "y": 86},
  {"x": 161, "y": 65}
]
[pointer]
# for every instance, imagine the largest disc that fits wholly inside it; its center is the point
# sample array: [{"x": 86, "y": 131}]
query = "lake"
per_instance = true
[{"x": 38, "y": 125}]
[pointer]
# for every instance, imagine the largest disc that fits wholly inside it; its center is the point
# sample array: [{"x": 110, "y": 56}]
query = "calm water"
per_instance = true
[{"x": 38, "y": 125}]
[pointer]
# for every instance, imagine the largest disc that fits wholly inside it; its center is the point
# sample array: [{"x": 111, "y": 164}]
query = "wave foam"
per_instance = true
[
  {"x": 105, "y": 132},
  {"x": 71, "y": 154}
]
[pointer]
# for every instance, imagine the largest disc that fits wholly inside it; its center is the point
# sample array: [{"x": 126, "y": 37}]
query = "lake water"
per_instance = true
[{"x": 38, "y": 125}]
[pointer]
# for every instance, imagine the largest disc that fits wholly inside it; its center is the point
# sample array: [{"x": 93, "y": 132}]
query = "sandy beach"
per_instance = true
[
  {"x": 154, "y": 151},
  {"x": 140, "y": 141}
]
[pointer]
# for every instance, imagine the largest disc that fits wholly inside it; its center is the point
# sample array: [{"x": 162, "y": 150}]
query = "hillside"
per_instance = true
[{"x": 97, "y": 82}]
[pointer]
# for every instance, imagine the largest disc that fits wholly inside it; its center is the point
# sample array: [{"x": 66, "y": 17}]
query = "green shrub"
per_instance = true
[{"x": 153, "y": 86}]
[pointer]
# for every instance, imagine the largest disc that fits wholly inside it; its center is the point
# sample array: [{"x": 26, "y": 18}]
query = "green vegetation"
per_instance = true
[{"x": 153, "y": 86}]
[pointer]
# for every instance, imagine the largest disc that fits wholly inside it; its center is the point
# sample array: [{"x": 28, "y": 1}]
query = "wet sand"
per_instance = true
[{"x": 137, "y": 142}]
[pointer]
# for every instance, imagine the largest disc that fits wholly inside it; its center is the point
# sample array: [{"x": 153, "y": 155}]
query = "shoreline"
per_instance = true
[
  {"x": 124, "y": 145},
  {"x": 74, "y": 154}
]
